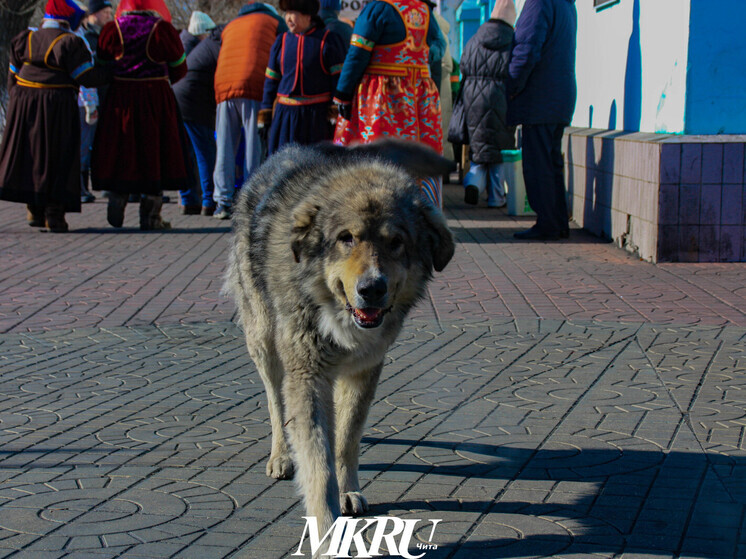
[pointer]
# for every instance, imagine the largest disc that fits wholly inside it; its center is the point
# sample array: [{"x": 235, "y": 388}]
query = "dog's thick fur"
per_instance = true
[{"x": 331, "y": 248}]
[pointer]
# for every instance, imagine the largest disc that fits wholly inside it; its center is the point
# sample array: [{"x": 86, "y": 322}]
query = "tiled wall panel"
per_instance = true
[{"x": 669, "y": 198}]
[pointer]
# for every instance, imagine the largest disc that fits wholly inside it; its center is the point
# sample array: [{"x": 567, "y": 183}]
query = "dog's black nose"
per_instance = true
[{"x": 372, "y": 290}]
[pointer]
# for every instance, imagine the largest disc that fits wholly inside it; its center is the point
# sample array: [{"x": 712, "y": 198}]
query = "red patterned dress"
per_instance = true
[{"x": 395, "y": 95}]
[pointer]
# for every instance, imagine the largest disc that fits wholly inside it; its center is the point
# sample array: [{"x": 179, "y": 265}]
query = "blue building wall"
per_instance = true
[
  {"x": 716, "y": 73},
  {"x": 666, "y": 66}
]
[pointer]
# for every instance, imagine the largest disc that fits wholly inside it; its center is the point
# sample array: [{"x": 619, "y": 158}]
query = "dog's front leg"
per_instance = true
[
  {"x": 353, "y": 395},
  {"x": 310, "y": 424}
]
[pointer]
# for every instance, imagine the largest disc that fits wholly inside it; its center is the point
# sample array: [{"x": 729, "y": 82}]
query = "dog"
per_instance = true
[{"x": 331, "y": 248}]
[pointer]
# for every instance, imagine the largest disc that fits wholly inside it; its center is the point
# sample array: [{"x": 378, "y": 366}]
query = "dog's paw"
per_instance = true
[
  {"x": 353, "y": 503},
  {"x": 280, "y": 467}
]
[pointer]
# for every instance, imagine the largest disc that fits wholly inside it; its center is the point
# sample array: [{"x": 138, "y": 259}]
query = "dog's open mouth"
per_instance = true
[{"x": 369, "y": 317}]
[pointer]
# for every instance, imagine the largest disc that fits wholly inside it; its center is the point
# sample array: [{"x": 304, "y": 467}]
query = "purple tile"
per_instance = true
[
  {"x": 709, "y": 243},
  {"x": 689, "y": 198},
  {"x": 709, "y": 204},
  {"x": 733, "y": 163},
  {"x": 731, "y": 241},
  {"x": 712, "y": 163},
  {"x": 691, "y": 163},
  {"x": 668, "y": 204},
  {"x": 668, "y": 243},
  {"x": 670, "y": 164},
  {"x": 732, "y": 205},
  {"x": 689, "y": 243}
]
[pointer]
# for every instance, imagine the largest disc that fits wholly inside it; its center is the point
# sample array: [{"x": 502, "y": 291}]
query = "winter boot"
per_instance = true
[
  {"x": 150, "y": 214},
  {"x": 35, "y": 215},
  {"x": 115, "y": 209},
  {"x": 55, "y": 218}
]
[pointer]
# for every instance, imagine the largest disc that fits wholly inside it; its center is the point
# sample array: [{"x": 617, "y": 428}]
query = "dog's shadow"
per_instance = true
[{"x": 523, "y": 501}]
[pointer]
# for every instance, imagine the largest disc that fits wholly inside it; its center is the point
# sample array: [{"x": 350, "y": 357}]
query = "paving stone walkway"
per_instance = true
[{"x": 546, "y": 400}]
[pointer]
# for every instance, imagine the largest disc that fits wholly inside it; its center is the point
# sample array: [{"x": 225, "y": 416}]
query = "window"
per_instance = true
[{"x": 600, "y": 4}]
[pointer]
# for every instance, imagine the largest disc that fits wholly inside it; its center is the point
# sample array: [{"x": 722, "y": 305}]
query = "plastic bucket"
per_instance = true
[{"x": 511, "y": 173}]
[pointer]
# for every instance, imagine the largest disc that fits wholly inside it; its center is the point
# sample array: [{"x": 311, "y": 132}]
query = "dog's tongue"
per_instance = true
[{"x": 368, "y": 315}]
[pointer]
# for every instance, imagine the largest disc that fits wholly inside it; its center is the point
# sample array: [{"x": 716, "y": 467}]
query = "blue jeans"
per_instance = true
[
  {"x": 87, "y": 132},
  {"x": 233, "y": 117},
  {"x": 203, "y": 141},
  {"x": 486, "y": 176}
]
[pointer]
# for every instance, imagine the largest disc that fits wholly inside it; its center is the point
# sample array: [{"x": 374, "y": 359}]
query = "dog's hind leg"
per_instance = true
[
  {"x": 309, "y": 405},
  {"x": 280, "y": 464},
  {"x": 353, "y": 395}
]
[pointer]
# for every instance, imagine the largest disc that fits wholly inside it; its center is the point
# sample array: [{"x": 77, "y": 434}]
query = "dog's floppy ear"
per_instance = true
[
  {"x": 304, "y": 219},
  {"x": 439, "y": 236}
]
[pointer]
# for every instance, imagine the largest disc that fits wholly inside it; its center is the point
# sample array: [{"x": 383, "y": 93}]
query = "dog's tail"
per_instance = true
[{"x": 415, "y": 158}]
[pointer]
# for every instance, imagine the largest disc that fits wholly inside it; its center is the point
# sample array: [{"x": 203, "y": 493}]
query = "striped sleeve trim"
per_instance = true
[
  {"x": 80, "y": 70},
  {"x": 177, "y": 62},
  {"x": 361, "y": 42},
  {"x": 271, "y": 74},
  {"x": 13, "y": 69}
]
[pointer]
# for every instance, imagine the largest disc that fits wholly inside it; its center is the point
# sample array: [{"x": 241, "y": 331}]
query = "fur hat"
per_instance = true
[
  {"x": 200, "y": 23},
  {"x": 334, "y": 5},
  {"x": 308, "y": 7},
  {"x": 157, "y": 7},
  {"x": 505, "y": 11},
  {"x": 70, "y": 11},
  {"x": 98, "y": 5}
]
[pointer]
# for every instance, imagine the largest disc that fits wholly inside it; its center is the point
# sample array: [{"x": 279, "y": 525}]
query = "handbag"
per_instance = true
[{"x": 458, "y": 133}]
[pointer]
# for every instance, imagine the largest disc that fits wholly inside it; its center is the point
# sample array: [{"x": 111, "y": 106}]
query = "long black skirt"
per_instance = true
[{"x": 40, "y": 151}]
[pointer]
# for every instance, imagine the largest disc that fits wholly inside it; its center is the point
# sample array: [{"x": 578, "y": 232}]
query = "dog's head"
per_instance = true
[{"x": 377, "y": 239}]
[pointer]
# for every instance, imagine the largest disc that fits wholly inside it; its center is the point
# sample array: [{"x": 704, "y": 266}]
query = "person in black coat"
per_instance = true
[
  {"x": 195, "y": 95},
  {"x": 542, "y": 93},
  {"x": 480, "y": 116}
]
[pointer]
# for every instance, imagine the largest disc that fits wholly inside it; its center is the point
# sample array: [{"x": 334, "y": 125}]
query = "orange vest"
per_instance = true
[{"x": 243, "y": 58}]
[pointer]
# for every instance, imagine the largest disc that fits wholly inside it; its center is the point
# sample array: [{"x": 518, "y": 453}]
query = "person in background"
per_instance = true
[
  {"x": 195, "y": 94},
  {"x": 199, "y": 25},
  {"x": 140, "y": 144},
  {"x": 40, "y": 149},
  {"x": 329, "y": 13},
  {"x": 446, "y": 99},
  {"x": 301, "y": 76},
  {"x": 542, "y": 93},
  {"x": 239, "y": 86},
  {"x": 192, "y": 99},
  {"x": 378, "y": 94},
  {"x": 100, "y": 12},
  {"x": 484, "y": 105}
]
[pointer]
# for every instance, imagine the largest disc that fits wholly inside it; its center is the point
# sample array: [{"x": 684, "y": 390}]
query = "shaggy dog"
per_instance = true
[{"x": 331, "y": 248}]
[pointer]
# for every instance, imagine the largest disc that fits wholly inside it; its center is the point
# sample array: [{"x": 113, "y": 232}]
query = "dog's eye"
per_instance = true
[
  {"x": 346, "y": 238},
  {"x": 396, "y": 243}
]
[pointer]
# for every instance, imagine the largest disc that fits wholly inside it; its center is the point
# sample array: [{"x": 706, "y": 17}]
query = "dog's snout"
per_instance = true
[{"x": 373, "y": 289}]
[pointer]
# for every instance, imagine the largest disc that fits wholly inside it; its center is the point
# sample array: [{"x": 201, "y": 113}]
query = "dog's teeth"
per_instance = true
[{"x": 368, "y": 314}]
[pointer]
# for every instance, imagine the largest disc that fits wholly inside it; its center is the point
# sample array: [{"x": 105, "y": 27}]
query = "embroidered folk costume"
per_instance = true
[
  {"x": 40, "y": 151},
  {"x": 386, "y": 78},
  {"x": 300, "y": 79}
]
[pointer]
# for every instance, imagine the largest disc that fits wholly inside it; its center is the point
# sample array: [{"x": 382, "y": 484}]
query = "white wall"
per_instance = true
[{"x": 631, "y": 65}]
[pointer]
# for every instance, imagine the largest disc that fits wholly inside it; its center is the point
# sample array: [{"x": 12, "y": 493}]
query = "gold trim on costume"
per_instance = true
[
  {"x": 49, "y": 51},
  {"x": 38, "y": 85}
]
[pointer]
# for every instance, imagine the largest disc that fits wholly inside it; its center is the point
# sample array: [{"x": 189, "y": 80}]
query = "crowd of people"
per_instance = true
[{"x": 123, "y": 105}]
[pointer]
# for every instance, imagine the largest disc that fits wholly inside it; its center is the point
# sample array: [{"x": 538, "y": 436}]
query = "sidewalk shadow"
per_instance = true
[
  {"x": 465, "y": 235},
  {"x": 175, "y": 231},
  {"x": 610, "y": 500}
]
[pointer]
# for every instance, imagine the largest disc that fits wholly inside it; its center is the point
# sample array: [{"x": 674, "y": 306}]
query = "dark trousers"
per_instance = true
[{"x": 543, "y": 173}]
